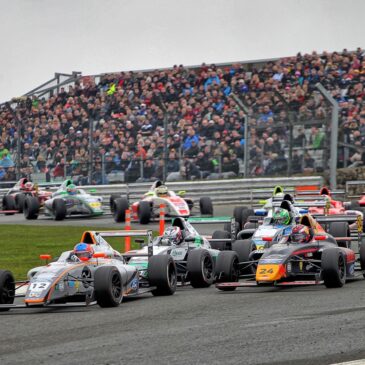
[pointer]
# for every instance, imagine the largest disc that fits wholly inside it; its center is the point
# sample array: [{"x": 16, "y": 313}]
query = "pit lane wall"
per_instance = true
[{"x": 229, "y": 192}]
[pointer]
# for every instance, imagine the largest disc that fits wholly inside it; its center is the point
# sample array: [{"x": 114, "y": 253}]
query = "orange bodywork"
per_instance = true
[{"x": 270, "y": 272}]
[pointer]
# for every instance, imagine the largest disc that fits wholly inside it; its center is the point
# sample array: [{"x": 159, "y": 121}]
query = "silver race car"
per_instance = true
[
  {"x": 103, "y": 279},
  {"x": 67, "y": 201}
]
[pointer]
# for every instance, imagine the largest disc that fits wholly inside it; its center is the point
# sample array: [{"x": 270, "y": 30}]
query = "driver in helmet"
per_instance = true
[
  {"x": 71, "y": 189},
  {"x": 162, "y": 191},
  {"x": 28, "y": 186},
  {"x": 83, "y": 251},
  {"x": 301, "y": 234},
  {"x": 173, "y": 235},
  {"x": 281, "y": 217}
]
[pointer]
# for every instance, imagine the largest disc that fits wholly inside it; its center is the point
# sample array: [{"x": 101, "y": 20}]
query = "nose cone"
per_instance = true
[{"x": 270, "y": 272}]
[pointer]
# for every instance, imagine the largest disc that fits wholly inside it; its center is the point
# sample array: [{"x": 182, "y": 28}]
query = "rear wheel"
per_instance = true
[
  {"x": 228, "y": 228},
  {"x": 108, "y": 286},
  {"x": 237, "y": 213},
  {"x": 59, "y": 209},
  {"x": 9, "y": 203},
  {"x": 120, "y": 205},
  {"x": 7, "y": 288},
  {"x": 243, "y": 248},
  {"x": 31, "y": 207},
  {"x": 200, "y": 267},
  {"x": 206, "y": 205},
  {"x": 112, "y": 198},
  {"x": 227, "y": 270},
  {"x": 19, "y": 202},
  {"x": 162, "y": 274},
  {"x": 220, "y": 245},
  {"x": 144, "y": 212},
  {"x": 246, "y": 213},
  {"x": 190, "y": 204},
  {"x": 339, "y": 229},
  {"x": 333, "y": 268}
]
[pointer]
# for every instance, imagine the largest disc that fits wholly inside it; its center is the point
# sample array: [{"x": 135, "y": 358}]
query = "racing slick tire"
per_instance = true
[
  {"x": 190, "y": 204},
  {"x": 362, "y": 257},
  {"x": 227, "y": 270},
  {"x": 339, "y": 229},
  {"x": 333, "y": 266},
  {"x": 112, "y": 198},
  {"x": 144, "y": 212},
  {"x": 31, "y": 207},
  {"x": 243, "y": 248},
  {"x": 162, "y": 274},
  {"x": 108, "y": 286},
  {"x": 206, "y": 205},
  {"x": 9, "y": 203},
  {"x": 237, "y": 214},
  {"x": 19, "y": 202},
  {"x": 7, "y": 288},
  {"x": 59, "y": 209},
  {"x": 120, "y": 205},
  {"x": 200, "y": 267},
  {"x": 220, "y": 245},
  {"x": 227, "y": 228}
]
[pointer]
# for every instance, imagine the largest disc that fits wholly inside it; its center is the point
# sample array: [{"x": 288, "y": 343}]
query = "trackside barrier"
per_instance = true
[
  {"x": 162, "y": 219},
  {"x": 127, "y": 228},
  {"x": 232, "y": 191}
]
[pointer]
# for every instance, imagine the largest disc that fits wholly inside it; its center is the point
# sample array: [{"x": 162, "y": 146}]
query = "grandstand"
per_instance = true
[{"x": 113, "y": 127}]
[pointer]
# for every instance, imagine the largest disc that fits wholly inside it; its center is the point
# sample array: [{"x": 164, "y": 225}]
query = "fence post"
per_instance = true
[
  {"x": 162, "y": 219},
  {"x": 127, "y": 246}
]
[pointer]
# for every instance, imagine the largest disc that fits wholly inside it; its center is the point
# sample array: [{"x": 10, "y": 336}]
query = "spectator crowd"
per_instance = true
[{"x": 205, "y": 126}]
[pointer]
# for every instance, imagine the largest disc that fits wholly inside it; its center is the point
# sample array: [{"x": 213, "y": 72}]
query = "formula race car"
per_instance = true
[
  {"x": 79, "y": 280},
  {"x": 148, "y": 208},
  {"x": 67, "y": 201},
  {"x": 192, "y": 253},
  {"x": 13, "y": 200},
  {"x": 301, "y": 258}
]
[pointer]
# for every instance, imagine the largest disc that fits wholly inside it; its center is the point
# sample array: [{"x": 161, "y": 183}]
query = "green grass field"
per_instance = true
[{"x": 21, "y": 245}]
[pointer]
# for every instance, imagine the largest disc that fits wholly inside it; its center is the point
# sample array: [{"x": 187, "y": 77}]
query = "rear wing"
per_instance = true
[
  {"x": 214, "y": 220},
  {"x": 134, "y": 233}
]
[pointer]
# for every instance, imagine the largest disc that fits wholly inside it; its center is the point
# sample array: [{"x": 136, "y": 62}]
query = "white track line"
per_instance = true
[{"x": 355, "y": 362}]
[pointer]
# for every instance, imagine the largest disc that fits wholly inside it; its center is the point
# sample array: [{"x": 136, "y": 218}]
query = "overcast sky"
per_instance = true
[{"x": 41, "y": 37}]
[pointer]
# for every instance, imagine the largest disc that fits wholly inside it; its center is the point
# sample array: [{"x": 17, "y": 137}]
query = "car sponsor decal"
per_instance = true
[
  {"x": 178, "y": 253},
  {"x": 134, "y": 284}
]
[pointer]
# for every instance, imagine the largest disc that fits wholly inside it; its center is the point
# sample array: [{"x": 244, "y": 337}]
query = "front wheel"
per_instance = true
[
  {"x": 333, "y": 268},
  {"x": 59, "y": 209},
  {"x": 144, "y": 212},
  {"x": 200, "y": 267},
  {"x": 108, "y": 286},
  {"x": 227, "y": 270},
  {"x": 120, "y": 205},
  {"x": 362, "y": 257},
  {"x": 7, "y": 288},
  {"x": 162, "y": 274}
]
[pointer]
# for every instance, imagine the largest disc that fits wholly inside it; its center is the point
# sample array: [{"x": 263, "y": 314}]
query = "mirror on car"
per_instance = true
[{"x": 190, "y": 239}]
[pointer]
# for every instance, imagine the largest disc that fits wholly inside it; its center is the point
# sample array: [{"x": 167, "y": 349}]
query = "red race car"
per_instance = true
[{"x": 13, "y": 200}]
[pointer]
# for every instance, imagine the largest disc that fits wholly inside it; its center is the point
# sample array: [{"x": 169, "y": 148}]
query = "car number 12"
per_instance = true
[{"x": 38, "y": 286}]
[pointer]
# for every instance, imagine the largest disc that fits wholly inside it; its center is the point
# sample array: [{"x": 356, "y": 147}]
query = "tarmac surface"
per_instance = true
[
  {"x": 305, "y": 325},
  {"x": 311, "y": 325}
]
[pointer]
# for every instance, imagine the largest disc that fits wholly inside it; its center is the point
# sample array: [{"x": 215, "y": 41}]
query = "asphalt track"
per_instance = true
[
  {"x": 108, "y": 222},
  {"x": 306, "y": 325}
]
